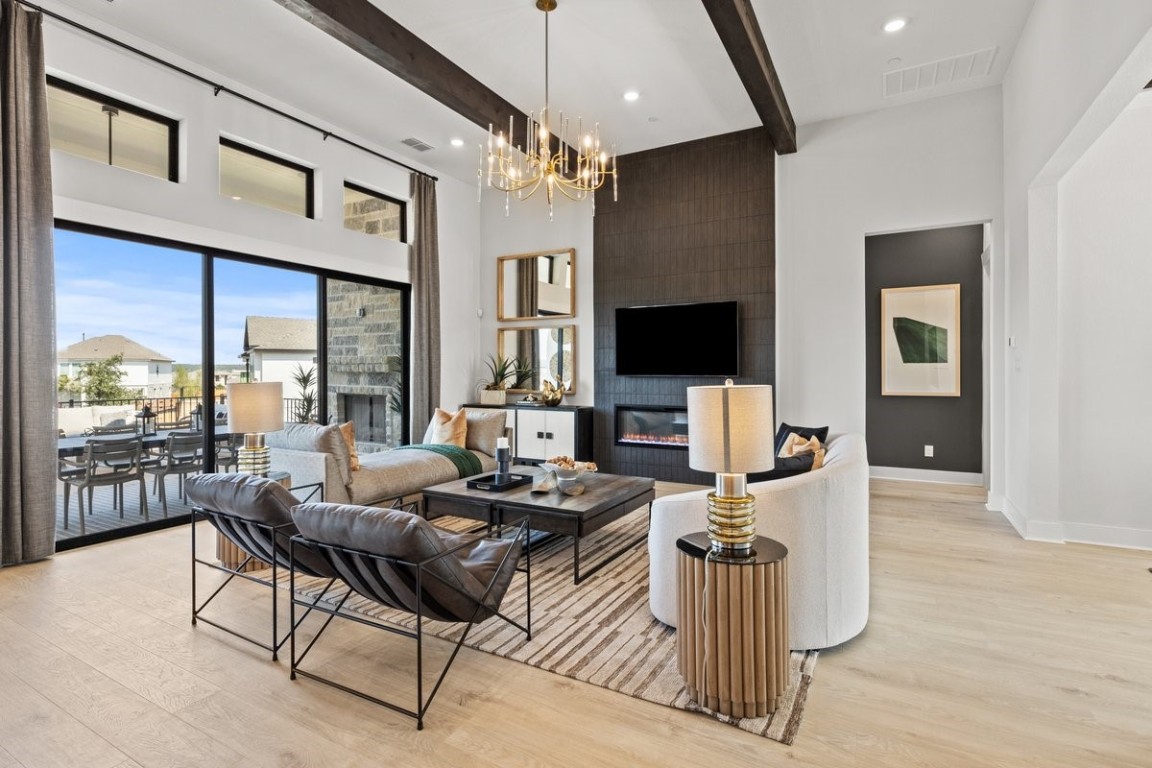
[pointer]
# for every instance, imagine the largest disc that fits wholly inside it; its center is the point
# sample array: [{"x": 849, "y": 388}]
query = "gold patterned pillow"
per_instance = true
[{"x": 447, "y": 428}]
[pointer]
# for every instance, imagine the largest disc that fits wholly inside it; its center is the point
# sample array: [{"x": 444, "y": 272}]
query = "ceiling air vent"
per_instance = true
[
  {"x": 416, "y": 144},
  {"x": 935, "y": 74}
]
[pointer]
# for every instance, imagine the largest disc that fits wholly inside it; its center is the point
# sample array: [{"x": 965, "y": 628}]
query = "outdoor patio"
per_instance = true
[{"x": 103, "y": 518}]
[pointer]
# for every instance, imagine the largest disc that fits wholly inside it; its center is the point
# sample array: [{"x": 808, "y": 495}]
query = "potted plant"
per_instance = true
[
  {"x": 523, "y": 373},
  {"x": 500, "y": 370}
]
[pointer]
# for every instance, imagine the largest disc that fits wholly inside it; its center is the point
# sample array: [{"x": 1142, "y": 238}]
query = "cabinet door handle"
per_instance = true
[
  {"x": 540, "y": 435},
  {"x": 549, "y": 435}
]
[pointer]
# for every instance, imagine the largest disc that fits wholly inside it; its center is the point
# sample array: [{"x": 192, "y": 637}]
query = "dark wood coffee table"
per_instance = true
[{"x": 606, "y": 498}]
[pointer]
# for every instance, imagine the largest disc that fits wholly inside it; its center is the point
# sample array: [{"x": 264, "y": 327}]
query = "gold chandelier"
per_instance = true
[{"x": 522, "y": 168}]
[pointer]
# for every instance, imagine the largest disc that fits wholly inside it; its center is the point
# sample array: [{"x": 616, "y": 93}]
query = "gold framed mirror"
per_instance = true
[
  {"x": 547, "y": 354},
  {"x": 530, "y": 286}
]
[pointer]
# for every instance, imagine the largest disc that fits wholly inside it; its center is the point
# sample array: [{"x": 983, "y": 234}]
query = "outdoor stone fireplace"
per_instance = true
[{"x": 365, "y": 362}]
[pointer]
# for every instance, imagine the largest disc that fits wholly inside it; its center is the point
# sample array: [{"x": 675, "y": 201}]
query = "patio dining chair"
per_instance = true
[
  {"x": 109, "y": 462},
  {"x": 181, "y": 455},
  {"x": 254, "y": 514},
  {"x": 401, "y": 561},
  {"x": 111, "y": 429},
  {"x": 228, "y": 452}
]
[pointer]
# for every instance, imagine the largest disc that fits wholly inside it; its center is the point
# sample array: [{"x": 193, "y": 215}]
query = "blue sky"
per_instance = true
[{"x": 152, "y": 295}]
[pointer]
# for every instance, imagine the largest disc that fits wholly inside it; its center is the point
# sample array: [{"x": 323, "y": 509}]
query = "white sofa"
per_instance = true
[
  {"x": 313, "y": 453},
  {"x": 74, "y": 421},
  {"x": 821, "y": 516}
]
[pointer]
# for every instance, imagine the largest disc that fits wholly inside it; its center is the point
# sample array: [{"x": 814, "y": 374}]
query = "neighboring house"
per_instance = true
[
  {"x": 146, "y": 371},
  {"x": 275, "y": 346},
  {"x": 228, "y": 374}
]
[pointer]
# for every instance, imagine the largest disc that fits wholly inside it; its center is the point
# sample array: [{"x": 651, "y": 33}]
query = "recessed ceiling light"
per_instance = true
[
  {"x": 895, "y": 25},
  {"x": 457, "y": 142},
  {"x": 894, "y": 61},
  {"x": 237, "y": 197},
  {"x": 631, "y": 95}
]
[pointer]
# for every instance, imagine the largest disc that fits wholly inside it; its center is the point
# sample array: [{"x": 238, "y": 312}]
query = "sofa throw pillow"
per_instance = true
[
  {"x": 485, "y": 427},
  {"x": 447, "y": 428},
  {"x": 348, "y": 431},
  {"x": 796, "y": 446},
  {"x": 795, "y": 465}
]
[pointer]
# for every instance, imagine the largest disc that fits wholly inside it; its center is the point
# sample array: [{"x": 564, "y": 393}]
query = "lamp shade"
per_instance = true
[
  {"x": 257, "y": 407},
  {"x": 730, "y": 429}
]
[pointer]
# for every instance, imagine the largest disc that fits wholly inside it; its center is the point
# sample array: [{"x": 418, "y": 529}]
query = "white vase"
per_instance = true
[{"x": 493, "y": 397}]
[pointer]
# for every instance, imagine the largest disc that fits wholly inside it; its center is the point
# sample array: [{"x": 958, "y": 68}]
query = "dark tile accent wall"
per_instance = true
[{"x": 694, "y": 222}]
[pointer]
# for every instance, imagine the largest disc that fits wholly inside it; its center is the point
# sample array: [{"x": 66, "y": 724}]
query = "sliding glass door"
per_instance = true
[
  {"x": 129, "y": 365},
  {"x": 132, "y": 364}
]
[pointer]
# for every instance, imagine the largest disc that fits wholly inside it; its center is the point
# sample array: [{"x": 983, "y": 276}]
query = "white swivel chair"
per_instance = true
[{"x": 821, "y": 516}]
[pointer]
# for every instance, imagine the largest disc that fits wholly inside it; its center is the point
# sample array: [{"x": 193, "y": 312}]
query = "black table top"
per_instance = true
[{"x": 764, "y": 550}]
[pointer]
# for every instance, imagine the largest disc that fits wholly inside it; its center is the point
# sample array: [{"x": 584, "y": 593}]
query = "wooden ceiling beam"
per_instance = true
[
  {"x": 735, "y": 22},
  {"x": 369, "y": 31}
]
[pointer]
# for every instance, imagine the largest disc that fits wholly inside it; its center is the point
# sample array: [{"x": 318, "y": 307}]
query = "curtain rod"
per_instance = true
[{"x": 217, "y": 88}]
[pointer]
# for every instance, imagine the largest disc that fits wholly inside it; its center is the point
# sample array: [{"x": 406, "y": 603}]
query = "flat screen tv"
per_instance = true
[{"x": 678, "y": 340}]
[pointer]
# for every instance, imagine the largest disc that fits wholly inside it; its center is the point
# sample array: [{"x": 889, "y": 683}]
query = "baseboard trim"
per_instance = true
[
  {"x": 995, "y": 503},
  {"x": 1032, "y": 530},
  {"x": 1108, "y": 535},
  {"x": 926, "y": 475},
  {"x": 1015, "y": 517}
]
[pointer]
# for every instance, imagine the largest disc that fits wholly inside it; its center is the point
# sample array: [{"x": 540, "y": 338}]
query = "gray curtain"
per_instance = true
[
  {"x": 424, "y": 273},
  {"x": 28, "y": 344}
]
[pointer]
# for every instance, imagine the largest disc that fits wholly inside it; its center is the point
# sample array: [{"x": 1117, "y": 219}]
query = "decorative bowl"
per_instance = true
[{"x": 563, "y": 473}]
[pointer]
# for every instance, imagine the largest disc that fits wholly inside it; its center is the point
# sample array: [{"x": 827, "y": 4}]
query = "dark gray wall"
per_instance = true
[
  {"x": 694, "y": 222},
  {"x": 898, "y": 428}
]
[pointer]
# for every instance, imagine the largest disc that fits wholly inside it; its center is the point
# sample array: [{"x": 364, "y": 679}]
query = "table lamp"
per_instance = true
[
  {"x": 254, "y": 409},
  {"x": 730, "y": 432}
]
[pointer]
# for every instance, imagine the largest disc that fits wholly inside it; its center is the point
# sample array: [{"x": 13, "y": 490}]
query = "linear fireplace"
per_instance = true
[{"x": 652, "y": 426}]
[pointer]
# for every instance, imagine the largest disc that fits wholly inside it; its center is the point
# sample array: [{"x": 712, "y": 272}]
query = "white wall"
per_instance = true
[
  {"x": 527, "y": 229},
  {"x": 1105, "y": 274},
  {"x": 1076, "y": 66},
  {"x": 929, "y": 164},
  {"x": 194, "y": 212},
  {"x": 461, "y": 293}
]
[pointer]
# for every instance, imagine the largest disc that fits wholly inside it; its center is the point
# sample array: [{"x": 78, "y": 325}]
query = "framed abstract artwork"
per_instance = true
[{"x": 920, "y": 341}]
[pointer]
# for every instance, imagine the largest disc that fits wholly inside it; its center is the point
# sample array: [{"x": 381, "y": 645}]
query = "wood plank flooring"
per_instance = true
[{"x": 982, "y": 650}]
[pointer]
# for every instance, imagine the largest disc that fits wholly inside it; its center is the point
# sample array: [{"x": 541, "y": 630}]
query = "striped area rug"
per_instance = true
[{"x": 601, "y": 631}]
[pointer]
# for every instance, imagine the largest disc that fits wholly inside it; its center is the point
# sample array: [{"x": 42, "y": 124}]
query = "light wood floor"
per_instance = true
[{"x": 982, "y": 650}]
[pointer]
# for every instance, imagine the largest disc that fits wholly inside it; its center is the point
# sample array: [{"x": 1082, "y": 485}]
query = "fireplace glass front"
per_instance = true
[{"x": 652, "y": 426}]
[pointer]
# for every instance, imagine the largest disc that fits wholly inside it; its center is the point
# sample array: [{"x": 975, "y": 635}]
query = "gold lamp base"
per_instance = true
[
  {"x": 731, "y": 516},
  {"x": 254, "y": 458}
]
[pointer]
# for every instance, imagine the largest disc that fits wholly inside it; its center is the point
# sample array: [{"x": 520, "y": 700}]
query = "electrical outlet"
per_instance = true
[{"x": 929, "y": 451}]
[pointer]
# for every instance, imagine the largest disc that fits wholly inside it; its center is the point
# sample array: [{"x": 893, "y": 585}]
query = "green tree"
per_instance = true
[
  {"x": 100, "y": 380},
  {"x": 184, "y": 382}
]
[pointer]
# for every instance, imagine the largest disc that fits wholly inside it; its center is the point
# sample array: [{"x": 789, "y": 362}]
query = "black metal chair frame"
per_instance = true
[
  {"x": 422, "y": 571},
  {"x": 279, "y": 536}
]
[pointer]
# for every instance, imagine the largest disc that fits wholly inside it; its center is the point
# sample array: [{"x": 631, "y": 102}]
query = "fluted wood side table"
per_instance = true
[
  {"x": 732, "y": 614},
  {"x": 230, "y": 555}
]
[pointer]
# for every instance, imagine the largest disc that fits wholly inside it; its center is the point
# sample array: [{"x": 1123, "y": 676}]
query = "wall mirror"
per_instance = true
[
  {"x": 534, "y": 285},
  {"x": 548, "y": 353}
]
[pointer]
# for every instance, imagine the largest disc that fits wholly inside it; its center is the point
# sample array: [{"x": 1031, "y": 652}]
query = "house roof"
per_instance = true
[
  {"x": 110, "y": 345},
  {"x": 289, "y": 333}
]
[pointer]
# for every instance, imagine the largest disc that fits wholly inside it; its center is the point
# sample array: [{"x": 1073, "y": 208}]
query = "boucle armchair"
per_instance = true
[{"x": 821, "y": 516}]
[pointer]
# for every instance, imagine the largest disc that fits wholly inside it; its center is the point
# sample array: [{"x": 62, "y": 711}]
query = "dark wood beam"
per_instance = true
[
  {"x": 369, "y": 31},
  {"x": 735, "y": 21}
]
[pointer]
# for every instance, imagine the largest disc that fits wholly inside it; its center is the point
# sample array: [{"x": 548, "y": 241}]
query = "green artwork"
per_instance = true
[{"x": 920, "y": 342}]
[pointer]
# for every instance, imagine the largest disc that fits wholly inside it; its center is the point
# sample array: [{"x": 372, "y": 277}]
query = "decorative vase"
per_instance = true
[{"x": 493, "y": 397}]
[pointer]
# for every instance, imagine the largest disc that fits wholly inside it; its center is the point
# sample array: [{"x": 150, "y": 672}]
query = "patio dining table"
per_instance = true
[{"x": 74, "y": 446}]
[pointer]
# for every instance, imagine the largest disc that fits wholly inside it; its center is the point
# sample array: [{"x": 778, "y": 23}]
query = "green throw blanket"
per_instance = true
[{"x": 466, "y": 462}]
